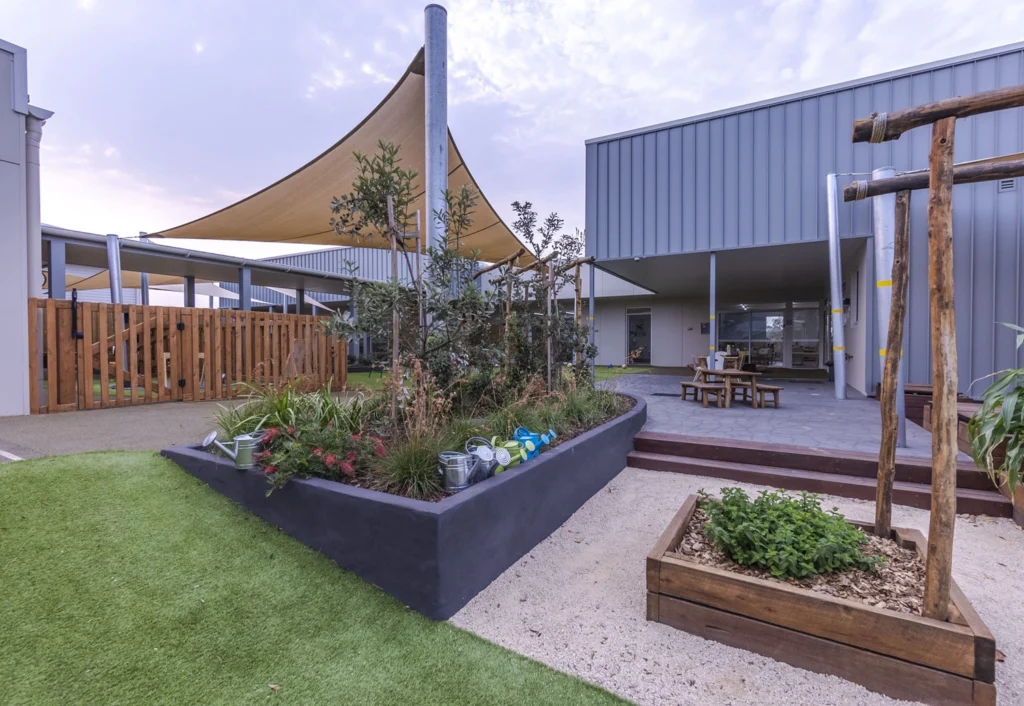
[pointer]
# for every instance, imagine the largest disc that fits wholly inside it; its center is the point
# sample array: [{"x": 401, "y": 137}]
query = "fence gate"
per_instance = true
[{"x": 96, "y": 355}]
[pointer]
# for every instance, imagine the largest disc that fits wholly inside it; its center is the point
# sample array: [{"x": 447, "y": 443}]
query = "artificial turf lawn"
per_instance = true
[{"x": 127, "y": 581}]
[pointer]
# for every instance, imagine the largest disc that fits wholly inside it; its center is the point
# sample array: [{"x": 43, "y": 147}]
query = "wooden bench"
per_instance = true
[
  {"x": 762, "y": 391},
  {"x": 704, "y": 389}
]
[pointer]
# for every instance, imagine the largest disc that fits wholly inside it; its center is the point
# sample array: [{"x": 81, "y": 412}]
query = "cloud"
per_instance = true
[
  {"x": 566, "y": 70},
  {"x": 330, "y": 77},
  {"x": 376, "y": 74}
]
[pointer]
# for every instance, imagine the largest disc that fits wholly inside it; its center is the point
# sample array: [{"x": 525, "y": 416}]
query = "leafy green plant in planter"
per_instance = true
[
  {"x": 999, "y": 422},
  {"x": 787, "y": 536}
]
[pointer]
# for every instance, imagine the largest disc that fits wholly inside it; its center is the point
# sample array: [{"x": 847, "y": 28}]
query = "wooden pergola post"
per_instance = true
[
  {"x": 893, "y": 354},
  {"x": 941, "y": 176},
  {"x": 939, "y": 563}
]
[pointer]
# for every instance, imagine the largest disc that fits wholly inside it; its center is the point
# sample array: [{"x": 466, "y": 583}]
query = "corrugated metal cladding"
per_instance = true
[
  {"x": 756, "y": 177},
  {"x": 370, "y": 263}
]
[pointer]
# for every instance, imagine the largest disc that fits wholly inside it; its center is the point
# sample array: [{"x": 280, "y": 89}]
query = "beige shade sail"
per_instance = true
[
  {"x": 129, "y": 280},
  {"x": 297, "y": 209}
]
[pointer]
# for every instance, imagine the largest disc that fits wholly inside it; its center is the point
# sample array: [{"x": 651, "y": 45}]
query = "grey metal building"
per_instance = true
[{"x": 749, "y": 184}]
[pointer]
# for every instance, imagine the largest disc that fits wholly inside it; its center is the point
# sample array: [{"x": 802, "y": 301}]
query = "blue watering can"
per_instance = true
[{"x": 532, "y": 442}]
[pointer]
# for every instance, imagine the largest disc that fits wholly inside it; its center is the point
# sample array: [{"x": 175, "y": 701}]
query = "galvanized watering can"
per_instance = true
[
  {"x": 245, "y": 445},
  {"x": 456, "y": 468}
]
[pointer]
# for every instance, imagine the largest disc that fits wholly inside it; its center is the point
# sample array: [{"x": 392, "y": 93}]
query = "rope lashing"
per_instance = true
[
  {"x": 879, "y": 122},
  {"x": 862, "y": 190}
]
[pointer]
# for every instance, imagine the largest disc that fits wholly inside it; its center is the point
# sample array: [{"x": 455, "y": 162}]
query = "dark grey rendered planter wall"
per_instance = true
[{"x": 433, "y": 557}]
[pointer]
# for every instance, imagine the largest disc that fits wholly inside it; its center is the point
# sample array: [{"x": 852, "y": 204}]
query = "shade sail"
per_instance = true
[
  {"x": 129, "y": 280},
  {"x": 297, "y": 209}
]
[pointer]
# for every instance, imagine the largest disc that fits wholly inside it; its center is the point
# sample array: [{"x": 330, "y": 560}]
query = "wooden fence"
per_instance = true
[{"x": 106, "y": 355}]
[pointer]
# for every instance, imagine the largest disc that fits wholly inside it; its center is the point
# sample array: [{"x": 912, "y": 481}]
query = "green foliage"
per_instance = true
[
  {"x": 789, "y": 537},
  {"x": 320, "y": 452},
  {"x": 288, "y": 406},
  {"x": 365, "y": 209},
  {"x": 1001, "y": 421}
]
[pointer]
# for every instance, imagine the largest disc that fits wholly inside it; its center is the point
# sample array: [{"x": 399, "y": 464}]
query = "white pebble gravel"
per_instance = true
[{"x": 577, "y": 603}]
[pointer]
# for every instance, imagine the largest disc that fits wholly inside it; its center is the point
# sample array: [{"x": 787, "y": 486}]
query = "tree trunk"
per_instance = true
[
  {"x": 939, "y": 564},
  {"x": 893, "y": 353}
]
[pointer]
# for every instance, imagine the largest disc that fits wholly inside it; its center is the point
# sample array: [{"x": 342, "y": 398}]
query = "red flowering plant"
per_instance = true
[{"x": 320, "y": 452}]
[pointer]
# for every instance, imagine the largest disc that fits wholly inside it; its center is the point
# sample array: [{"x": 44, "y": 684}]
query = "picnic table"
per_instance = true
[{"x": 732, "y": 378}]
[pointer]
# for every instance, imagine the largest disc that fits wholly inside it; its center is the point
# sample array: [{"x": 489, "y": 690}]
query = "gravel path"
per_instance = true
[{"x": 576, "y": 603}]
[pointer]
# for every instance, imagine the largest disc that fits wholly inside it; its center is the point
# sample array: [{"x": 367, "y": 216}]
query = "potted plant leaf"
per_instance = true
[{"x": 996, "y": 432}]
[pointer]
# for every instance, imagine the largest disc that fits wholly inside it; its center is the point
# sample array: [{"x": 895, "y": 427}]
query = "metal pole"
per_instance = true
[
  {"x": 713, "y": 327},
  {"x": 835, "y": 273},
  {"x": 114, "y": 267},
  {"x": 590, "y": 319},
  {"x": 144, "y": 276},
  {"x": 244, "y": 289},
  {"x": 34, "y": 122},
  {"x": 419, "y": 280},
  {"x": 393, "y": 232},
  {"x": 300, "y": 301},
  {"x": 57, "y": 269},
  {"x": 190, "y": 291},
  {"x": 436, "y": 114},
  {"x": 883, "y": 221}
]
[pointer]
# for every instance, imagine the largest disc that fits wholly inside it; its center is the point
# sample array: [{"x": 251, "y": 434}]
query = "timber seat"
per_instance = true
[
  {"x": 704, "y": 390},
  {"x": 761, "y": 392}
]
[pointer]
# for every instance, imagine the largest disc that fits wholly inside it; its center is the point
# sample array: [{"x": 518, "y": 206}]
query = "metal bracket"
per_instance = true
[
  {"x": 181, "y": 382},
  {"x": 181, "y": 326}
]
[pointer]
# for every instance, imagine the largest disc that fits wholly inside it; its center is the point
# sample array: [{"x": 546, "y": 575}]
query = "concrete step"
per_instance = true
[
  {"x": 968, "y": 500},
  {"x": 852, "y": 463}
]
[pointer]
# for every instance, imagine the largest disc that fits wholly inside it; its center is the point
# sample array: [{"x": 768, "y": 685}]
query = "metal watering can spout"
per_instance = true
[{"x": 242, "y": 453}]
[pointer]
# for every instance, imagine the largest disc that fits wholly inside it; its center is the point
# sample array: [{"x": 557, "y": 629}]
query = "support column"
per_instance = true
[
  {"x": 244, "y": 289},
  {"x": 436, "y": 115},
  {"x": 190, "y": 291},
  {"x": 114, "y": 267},
  {"x": 57, "y": 269},
  {"x": 144, "y": 276},
  {"x": 883, "y": 222},
  {"x": 590, "y": 316},
  {"x": 787, "y": 336},
  {"x": 300, "y": 301},
  {"x": 34, "y": 122},
  {"x": 835, "y": 267},
  {"x": 713, "y": 305}
]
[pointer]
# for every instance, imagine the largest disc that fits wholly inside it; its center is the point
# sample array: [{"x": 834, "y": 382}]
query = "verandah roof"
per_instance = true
[{"x": 296, "y": 209}]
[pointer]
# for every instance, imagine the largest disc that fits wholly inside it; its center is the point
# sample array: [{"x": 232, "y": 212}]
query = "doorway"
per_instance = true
[{"x": 638, "y": 336}]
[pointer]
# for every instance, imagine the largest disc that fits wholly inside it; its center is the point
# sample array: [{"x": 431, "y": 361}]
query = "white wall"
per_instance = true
[
  {"x": 858, "y": 326},
  {"x": 675, "y": 330},
  {"x": 13, "y": 228}
]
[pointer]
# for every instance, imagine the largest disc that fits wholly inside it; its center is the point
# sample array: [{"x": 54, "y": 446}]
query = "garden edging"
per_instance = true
[{"x": 433, "y": 557}]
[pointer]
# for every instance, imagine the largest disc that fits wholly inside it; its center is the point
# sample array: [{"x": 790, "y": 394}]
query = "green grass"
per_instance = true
[
  {"x": 373, "y": 381},
  {"x": 606, "y": 373},
  {"x": 127, "y": 581}
]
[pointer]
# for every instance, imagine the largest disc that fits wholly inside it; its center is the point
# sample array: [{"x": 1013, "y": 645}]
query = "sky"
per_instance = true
[{"x": 167, "y": 111}]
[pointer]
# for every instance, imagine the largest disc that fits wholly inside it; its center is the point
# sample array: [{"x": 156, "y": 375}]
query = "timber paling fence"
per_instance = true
[{"x": 95, "y": 355}]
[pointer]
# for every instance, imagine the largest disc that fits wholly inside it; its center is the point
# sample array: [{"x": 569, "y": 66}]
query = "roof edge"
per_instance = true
[{"x": 800, "y": 95}]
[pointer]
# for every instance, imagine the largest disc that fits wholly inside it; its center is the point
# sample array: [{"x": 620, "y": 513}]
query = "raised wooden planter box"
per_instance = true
[{"x": 903, "y": 656}]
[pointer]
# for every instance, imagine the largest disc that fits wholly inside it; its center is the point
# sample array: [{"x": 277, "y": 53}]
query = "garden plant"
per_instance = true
[{"x": 471, "y": 358}]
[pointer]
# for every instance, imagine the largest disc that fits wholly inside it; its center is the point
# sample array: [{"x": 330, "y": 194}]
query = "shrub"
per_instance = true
[
  {"x": 322, "y": 452},
  {"x": 789, "y": 537},
  {"x": 411, "y": 468}
]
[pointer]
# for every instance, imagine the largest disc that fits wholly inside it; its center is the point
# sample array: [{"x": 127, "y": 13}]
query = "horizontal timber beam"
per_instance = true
[
  {"x": 962, "y": 174},
  {"x": 882, "y": 127}
]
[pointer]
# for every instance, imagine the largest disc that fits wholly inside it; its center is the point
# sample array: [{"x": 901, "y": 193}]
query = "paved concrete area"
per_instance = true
[
  {"x": 577, "y": 603},
  {"x": 809, "y": 415},
  {"x": 145, "y": 427}
]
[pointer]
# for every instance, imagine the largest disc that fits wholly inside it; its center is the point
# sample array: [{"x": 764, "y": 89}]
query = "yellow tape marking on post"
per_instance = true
[
  {"x": 884, "y": 283},
  {"x": 837, "y": 311},
  {"x": 881, "y": 351},
  {"x": 838, "y": 348},
  {"x": 712, "y": 316}
]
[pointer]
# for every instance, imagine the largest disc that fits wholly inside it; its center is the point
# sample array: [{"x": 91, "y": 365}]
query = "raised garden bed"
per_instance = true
[
  {"x": 432, "y": 556},
  {"x": 902, "y": 655}
]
